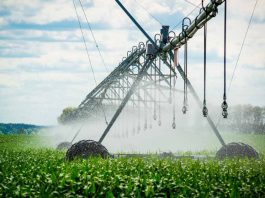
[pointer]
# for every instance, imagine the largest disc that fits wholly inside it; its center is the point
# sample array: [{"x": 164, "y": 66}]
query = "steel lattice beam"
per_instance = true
[
  {"x": 130, "y": 73},
  {"x": 145, "y": 67},
  {"x": 195, "y": 25},
  {"x": 200, "y": 20}
]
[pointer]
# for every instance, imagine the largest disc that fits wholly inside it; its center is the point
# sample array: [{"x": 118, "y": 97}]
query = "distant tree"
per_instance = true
[
  {"x": 246, "y": 119},
  {"x": 21, "y": 131},
  {"x": 18, "y": 128},
  {"x": 66, "y": 115},
  {"x": 237, "y": 120}
]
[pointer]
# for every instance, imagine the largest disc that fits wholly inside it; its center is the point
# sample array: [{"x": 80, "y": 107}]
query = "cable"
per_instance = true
[
  {"x": 192, "y": 4},
  {"x": 90, "y": 63},
  {"x": 179, "y": 23},
  {"x": 239, "y": 54},
  {"x": 225, "y": 19},
  {"x": 95, "y": 41},
  {"x": 242, "y": 45},
  {"x": 148, "y": 12},
  {"x": 78, "y": 131},
  {"x": 84, "y": 41}
]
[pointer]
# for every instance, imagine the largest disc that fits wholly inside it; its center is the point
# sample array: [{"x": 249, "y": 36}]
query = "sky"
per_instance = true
[{"x": 44, "y": 67}]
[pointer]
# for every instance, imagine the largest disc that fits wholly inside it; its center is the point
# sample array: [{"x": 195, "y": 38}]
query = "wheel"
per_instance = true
[
  {"x": 167, "y": 155},
  {"x": 64, "y": 145},
  {"x": 236, "y": 149},
  {"x": 86, "y": 148}
]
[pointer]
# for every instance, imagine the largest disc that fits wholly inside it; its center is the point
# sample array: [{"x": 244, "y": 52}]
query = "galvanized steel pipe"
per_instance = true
[{"x": 201, "y": 19}]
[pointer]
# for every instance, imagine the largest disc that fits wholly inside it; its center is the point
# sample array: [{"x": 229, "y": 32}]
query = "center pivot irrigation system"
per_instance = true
[{"x": 146, "y": 76}]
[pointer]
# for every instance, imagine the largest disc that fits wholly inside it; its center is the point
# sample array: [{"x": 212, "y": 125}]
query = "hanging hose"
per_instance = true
[
  {"x": 157, "y": 40},
  {"x": 133, "y": 106},
  {"x": 174, "y": 85},
  {"x": 76, "y": 134},
  {"x": 139, "y": 108},
  {"x": 155, "y": 116},
  {"x": 204, "y": 109},
  {"x": 170, "y": 81},
  {"x": 184, "y": 28},
  {"x": 123, "y": 119},
  {"x": 184, "y": 108},
  {"x": 186, "y": 76},
  {"x": 150, "y": 110},
  {"x": 150, "y": 119},
  {"x": 159, "y": 105},
  {"x": 145, "y": 110},
  {"x": 224, "y": 104},
  {"x": 104, "y": 113},
  {"x": 127, "y": 109}
]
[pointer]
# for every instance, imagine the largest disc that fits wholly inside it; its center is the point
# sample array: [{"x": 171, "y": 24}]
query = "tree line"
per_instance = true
[
  {"x": 241, "y": 118},
  {"x": 18, "y": 128},
  {"x": 245, "y": 119}
]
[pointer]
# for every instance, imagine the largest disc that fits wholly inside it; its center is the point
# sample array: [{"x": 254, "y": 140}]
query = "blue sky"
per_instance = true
[{"x": 44, "y": 68}]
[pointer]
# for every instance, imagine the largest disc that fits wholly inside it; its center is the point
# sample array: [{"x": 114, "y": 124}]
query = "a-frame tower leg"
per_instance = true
[
  {"x": 140, "y": 75},
  {"x": 142, "y": 72}
]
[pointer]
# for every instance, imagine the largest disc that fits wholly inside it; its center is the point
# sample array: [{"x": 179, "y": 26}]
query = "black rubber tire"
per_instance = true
[
  {"x": 86, "y": 148},
  {"x": 167, "y": 155},
  {"x": 236, "y": 149},
  {"x": 64, "y": 145}
]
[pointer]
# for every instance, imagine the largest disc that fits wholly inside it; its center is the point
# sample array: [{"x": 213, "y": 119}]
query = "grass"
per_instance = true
[{"x": 29, "y": 171}]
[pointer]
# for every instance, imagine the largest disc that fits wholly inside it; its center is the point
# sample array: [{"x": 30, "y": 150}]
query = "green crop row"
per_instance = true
[{"x": 35, "y": 172}]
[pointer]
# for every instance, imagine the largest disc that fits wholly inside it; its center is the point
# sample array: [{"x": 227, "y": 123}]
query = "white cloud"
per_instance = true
[
  {"x": 39, "y": 12},
  {"x": 55, "y": 73}
]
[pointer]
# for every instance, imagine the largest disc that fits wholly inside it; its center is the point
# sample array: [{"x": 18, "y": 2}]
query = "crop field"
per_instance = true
[{"x": 26, "y": 170}]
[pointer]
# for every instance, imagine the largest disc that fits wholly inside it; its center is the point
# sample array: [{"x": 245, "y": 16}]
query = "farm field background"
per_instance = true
[{"x": 27, "y": 168}]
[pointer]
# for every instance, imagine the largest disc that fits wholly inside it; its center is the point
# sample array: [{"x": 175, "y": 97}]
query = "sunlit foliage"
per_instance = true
[{"x": 39, "y": 172}]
